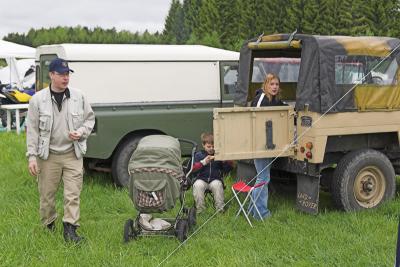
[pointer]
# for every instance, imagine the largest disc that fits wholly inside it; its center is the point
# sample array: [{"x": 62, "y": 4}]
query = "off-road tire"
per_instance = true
[
  {"x": 119, "y": 165},
  {"x": 363, "y": 179}
]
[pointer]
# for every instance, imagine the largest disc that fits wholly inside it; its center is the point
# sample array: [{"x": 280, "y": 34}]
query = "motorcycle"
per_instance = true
[{"x": 9, "y": 96}]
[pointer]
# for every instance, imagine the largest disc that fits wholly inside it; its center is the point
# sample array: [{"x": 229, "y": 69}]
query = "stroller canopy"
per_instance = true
[
  {"x": 156, "y": 170},
  {"x": 160, "y": 151}
]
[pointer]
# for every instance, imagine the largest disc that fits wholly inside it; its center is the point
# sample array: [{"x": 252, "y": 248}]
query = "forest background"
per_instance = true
[{"x": 228, "y": 23}]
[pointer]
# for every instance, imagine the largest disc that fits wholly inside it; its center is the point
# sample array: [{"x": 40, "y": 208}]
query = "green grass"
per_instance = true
[{"x": 288, "y": 238}]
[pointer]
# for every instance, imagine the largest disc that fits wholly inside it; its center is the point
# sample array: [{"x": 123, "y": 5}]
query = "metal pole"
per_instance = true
[
  {"x": 17, "y": 121},
  {"x": 9, "y": 120},
  {"x": 397, "y": 264}
]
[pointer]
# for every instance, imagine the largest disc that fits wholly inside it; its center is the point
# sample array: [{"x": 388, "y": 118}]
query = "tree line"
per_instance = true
[{"x": 228, "y": 23}]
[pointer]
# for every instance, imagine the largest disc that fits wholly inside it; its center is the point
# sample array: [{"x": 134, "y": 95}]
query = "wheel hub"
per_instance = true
[{"x": 369, "y": 186}]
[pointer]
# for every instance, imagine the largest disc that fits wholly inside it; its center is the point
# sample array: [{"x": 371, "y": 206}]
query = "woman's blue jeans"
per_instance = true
[{"x": 261, "y": 193}]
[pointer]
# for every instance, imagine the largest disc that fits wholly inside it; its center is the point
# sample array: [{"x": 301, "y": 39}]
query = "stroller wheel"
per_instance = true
[
  {"x": 129, "y": 232},
  {"x": 192, "y": 217},
  {"x": 181, "y": 229}
]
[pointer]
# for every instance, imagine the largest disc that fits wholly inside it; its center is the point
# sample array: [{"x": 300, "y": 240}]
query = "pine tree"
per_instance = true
[
  {"x": 279, "y": 15},
  {"x": 314, "y": 17},
  {"x": 295, "y": 15},
  {"x": 173, "y": 27},
  {"x": 384, "y": 17},
  {"x": 246, "y": 19},
  {"x": 361, "y": 12},
  {"x": 392, "y": 18},
  {"x": 263, "y": 17},
  {"x": 340, "y": 20},
  {"x": 208, "y": 19},
  {"x": 191, "y": 10},
  {"x": 229, "y": 25}
]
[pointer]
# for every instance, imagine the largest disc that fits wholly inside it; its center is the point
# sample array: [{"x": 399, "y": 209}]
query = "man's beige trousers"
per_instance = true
[{"x": 70, "y": 169}]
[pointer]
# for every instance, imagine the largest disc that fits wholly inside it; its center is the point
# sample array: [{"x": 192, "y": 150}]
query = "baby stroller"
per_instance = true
[{"x": 157, "y": 181}]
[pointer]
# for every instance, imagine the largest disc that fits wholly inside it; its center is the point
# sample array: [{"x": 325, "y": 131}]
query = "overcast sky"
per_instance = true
[{"x": 133, "y": 15}]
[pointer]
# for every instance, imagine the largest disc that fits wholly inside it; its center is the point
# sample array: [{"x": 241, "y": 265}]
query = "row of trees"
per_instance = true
[
  {"x": 81, "y": 34},
  {"x": 227, "y": 23}
]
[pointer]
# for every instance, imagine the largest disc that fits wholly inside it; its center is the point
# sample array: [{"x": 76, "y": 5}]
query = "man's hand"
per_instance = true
[
  {"x": 74, "y": 135},
  {"x": 33, "y": 167}
]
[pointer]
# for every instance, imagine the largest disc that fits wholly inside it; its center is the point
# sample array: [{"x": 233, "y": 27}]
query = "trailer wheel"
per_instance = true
[
  {"x": 363, "y": 179},
  {"x": 129, "y": 231},
  {"x": 119, "y": 166},
  {"x": 182, "y": 229}
]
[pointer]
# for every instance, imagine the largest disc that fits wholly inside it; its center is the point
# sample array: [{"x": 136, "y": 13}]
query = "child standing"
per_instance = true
[{"x": 209, "y": 174}]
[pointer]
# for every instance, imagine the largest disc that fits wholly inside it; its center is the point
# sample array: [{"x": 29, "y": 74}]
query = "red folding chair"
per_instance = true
[{"x": 242, "y": 187}]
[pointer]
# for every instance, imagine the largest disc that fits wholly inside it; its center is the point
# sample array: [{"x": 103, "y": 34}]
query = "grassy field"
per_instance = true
[{"x": 288, "y": 238}]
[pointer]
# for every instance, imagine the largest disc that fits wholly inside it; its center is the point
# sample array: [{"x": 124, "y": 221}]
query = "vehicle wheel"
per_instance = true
[
  {"x": 119, "y": 165},
  {"x": 181, "y": 229},
  {"x": 363, "y": 179},
  {"x": 192, "y": 217},
  {"x": 129, "y": 231},
  {"x": 326, "y": 179}
]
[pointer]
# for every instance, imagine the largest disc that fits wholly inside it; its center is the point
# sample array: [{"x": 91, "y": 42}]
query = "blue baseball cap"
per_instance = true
[{"x": 59, "y": 65}]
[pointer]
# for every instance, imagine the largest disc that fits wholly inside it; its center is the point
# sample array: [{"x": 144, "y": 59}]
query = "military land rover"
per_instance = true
[{"x": 341, "y": 127}]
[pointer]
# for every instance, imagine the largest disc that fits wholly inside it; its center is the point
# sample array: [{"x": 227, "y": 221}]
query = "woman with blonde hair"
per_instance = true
[
  {"x": 268, "y": 96},
  {"x": 269, "y": 93}
]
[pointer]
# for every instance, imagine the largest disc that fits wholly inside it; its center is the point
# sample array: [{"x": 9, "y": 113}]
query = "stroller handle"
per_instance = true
[
  {"x": 194, "y": 148},
  {"x": 193, "y": 143}
]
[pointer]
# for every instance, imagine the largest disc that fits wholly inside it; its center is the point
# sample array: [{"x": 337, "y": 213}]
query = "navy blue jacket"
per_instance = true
[{"x": 214, "y": 170}]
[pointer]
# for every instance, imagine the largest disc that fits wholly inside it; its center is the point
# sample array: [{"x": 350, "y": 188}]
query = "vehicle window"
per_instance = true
[
  {"x": 43, "y": 74},
  {"x": 365, "y": 70},
  {"x": 286, "y": 68},
  {"x": 229, "y": 72}
]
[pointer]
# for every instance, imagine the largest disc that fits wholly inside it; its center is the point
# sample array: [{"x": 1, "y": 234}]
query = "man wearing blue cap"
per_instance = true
[{"x": 59, "y": 121}]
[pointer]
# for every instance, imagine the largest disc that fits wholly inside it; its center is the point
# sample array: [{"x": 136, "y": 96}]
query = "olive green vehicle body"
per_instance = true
[{"x": 174, "y": 119}]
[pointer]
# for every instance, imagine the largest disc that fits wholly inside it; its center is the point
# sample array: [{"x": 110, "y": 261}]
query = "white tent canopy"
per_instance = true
[
  {"x": 9, "y": 50},
  {"x": 14, "y": 73}
]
